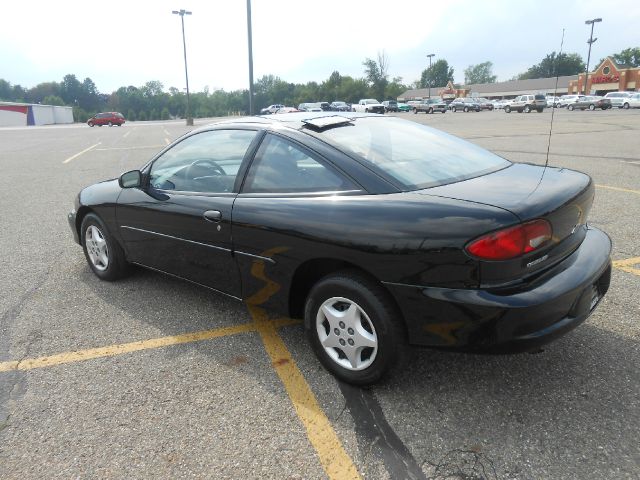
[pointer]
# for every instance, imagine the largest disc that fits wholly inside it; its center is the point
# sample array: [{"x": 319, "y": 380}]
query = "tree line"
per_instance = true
[{"x": 151, "y": 102}]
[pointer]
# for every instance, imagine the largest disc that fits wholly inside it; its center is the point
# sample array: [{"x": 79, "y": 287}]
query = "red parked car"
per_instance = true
[{"x": 106, "y": 118}]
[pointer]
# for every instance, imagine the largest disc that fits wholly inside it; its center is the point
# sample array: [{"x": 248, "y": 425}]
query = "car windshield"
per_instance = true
[{"x": 414, "y": 155}]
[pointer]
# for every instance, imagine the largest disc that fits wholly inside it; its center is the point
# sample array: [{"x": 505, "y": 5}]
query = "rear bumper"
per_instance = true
[{"x": 521, "y": 320}]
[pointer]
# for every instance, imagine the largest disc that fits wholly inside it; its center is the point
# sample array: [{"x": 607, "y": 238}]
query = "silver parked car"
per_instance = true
[{"x": 619, "y": 99}]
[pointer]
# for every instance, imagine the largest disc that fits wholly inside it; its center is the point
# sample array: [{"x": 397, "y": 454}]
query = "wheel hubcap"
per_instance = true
[
  {"x": 96, "y": 248},
  {"x": 346, "y": 333}
]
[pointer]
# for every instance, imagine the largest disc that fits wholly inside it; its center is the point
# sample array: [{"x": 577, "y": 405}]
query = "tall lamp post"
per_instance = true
[
  {"x": 590, "y": 42},
  {"x": 431, "y": 55},
  {"x": 250, "y": 57},
  {"x": 182, "y": 13}
]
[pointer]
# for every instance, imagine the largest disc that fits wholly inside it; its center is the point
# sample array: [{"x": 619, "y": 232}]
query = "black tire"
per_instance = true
[
  {"x": 540, "y": 110},
  {"x": 507, "y": 109},
  {"x": 453, "y": 109},
  {"x": 625, "y": 106},
  {"x": 592, "y": 107},
  {"x": 570, "y": 108},
  {"x": 527, "y": 109},
  {"x": 415, "y": 110},
  {"x": 465, "y": 109},
  {"x": 116, "y": 266},
  {"x": 381, "y": 324},
  {"x": 110, "y": 124},
  {"x": 91, "y": 124},
  {"x": 430, "y": 110}
]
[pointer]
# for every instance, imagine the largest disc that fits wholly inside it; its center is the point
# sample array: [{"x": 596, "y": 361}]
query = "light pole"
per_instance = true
[
  {"x": 431, "y": 55},
  {"x": 250, "y": 57},
  {"x": 182, "y": 13},
  {"x": 590, "y": 41}
]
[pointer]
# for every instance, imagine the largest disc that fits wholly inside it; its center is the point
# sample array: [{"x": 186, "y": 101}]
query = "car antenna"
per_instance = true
[{"x": 555, "y": 92}]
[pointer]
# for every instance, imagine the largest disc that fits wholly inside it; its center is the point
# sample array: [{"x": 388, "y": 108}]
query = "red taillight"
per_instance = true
[{"x": 511, "y": 242}]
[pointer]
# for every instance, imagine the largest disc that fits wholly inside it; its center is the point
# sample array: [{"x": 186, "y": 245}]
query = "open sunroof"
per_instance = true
[{"x": 320, "y": 123}]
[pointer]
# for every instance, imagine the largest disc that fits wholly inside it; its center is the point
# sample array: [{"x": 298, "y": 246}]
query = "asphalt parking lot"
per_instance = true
[{"x": 153, "y": 377}]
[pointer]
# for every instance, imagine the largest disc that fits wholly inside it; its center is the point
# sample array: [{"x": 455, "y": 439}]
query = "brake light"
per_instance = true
[{"x": 511, "y": 242}]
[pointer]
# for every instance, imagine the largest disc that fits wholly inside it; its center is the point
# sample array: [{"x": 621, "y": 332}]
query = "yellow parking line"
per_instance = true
[
  {"x": 626, "y": 265},
  {"x": 112, "y": 350},
  {"x": 628, "y": 190},
  {"x": 82, "y": 152},
  {"x": 334, "y": 459}
]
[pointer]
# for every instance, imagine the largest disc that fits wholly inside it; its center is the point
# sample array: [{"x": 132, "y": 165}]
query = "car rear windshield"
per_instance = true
[{"x": 413, "y": 155}]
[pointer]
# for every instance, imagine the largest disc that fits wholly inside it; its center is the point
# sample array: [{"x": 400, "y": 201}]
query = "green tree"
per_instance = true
[
  {"x": 555, "y": 64},
  {"x": 164, "y": 115},
  {"x": 480, "y": 73},
  {"x": 376, "y": 74},
  {"x": 53, "y": 100},
  {"x": 142, "y": 116},
  {"x": 438, "y": 75},
  {"x": 131, "y": 115},
  {"x": 628, "y": 56}
]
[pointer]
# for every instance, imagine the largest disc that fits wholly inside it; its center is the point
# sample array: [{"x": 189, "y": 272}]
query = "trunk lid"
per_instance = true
[{"x": 561, "y": 196}]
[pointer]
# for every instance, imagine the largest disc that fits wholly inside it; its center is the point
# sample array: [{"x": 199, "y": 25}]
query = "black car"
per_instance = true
[
  {"x": 376, "y": 230},
  {"x": 338, "y": 106}
]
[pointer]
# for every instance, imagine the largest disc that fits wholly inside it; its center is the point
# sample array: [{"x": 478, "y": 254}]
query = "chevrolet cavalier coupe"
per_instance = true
[{"x": 377, "y": 231}]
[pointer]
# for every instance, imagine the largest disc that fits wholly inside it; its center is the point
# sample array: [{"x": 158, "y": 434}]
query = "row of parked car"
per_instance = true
[{"x": 523, "y": 103}]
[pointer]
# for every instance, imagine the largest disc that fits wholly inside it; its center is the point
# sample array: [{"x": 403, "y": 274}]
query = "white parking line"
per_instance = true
[
  {"x": 166, "y": 140},
  {"x": 82, "y": 152}
]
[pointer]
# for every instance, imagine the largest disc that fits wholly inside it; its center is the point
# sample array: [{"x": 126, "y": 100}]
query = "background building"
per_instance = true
[
  {"x": 608, "y": 77},
  {"x": 23, "y": 114},
  {"x": 497, "y": 90}
]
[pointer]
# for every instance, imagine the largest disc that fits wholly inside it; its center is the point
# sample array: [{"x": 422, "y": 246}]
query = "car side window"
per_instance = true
[
  {"x": 282, "y": 167},
  {"x": 207, "y": 162}
]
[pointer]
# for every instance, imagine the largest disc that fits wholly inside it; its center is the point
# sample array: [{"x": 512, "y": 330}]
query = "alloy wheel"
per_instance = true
[
  {"x": 346, "y": 333},
  {"x": 97, "y": 248}
]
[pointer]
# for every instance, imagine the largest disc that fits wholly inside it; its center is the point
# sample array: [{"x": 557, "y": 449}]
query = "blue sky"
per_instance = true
[{"x": 120, "y": 43}]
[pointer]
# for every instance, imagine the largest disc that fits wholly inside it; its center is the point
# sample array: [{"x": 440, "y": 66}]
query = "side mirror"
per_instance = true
[{"x": 130, "y": 179}]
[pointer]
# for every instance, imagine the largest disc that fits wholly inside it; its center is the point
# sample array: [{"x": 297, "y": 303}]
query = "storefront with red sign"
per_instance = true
[{"x": 608, "y": 77}]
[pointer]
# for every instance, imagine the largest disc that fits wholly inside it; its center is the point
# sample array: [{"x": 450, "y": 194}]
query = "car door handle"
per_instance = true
[{"x": 212, "y": 215}]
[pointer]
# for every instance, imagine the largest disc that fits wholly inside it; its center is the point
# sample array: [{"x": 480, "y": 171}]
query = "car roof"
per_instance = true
[{"x": 293, "y": 120}]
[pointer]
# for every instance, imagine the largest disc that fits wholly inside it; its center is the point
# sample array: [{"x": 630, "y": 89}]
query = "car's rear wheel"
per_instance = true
[
  {"x": 430, "y": 110},
  {"x": 592, "y": 107},
  {"x": 540, "y": 110},
  {"x": 353, "y": 327},
  {"x": 415, "y": 110},
  {"x": 507, "y": 109},
  {"x": 103, "y": 253},
  {"x": 527, "y": 109},
  {"x": 465, "y": 109},
  {"x": 570, "y": 107},
  {"x": 110, "y": 124}
]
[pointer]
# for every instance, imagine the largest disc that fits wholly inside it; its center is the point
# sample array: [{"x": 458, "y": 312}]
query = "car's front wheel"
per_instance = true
[
  {"x": 103, "y": 253},
  {"x": 353, "y": 327},
  {"x": 91, "y": 124},
  {"x": 592, "y": 107},
  {"x": 507, "y": 109},
  {"x": 430, "y": 110},
  {"x": 453, "y": 109},
  {"x": 625, "y": 106},
  {"x": 110, "y": 124},
  {"x": 570, "y": 107}
]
